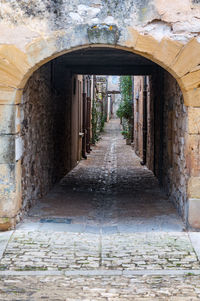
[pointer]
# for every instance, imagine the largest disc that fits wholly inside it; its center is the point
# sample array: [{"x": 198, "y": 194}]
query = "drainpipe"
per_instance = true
[{"x": 144, "y": 159}]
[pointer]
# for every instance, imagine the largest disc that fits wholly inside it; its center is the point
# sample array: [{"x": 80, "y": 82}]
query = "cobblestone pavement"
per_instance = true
[
  {"x": 111, "y": 188},
  {"x": 48, "y": 250},
  {"x": 105, "y": 232},
  {"x": 112, "y": 288}
]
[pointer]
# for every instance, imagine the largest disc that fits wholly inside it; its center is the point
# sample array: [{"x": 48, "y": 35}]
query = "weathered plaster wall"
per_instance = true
[
  {"x": 45, "y": 133},
  {"x": 178, "y": 19}
]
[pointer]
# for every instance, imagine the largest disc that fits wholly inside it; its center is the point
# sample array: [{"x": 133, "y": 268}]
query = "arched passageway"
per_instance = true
[
  {"x": 55, "y": 86},
  {"x": 52, "y": 123}
]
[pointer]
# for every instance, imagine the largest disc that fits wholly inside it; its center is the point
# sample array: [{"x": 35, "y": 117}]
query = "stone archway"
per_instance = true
[{"x": 16, "y": 67}]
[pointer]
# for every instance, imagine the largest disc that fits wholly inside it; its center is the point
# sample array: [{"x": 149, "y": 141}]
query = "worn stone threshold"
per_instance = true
[{"x": 89, "y": 273}]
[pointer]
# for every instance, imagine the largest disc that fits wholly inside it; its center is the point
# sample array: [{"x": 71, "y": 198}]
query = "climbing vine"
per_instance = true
[
  {"x": 94, "y": 122},
  {"x": 125, "y": 110},
  {"x": 98, "y": 119}
]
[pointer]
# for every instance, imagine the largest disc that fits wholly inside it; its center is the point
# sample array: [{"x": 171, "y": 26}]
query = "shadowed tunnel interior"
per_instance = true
[
  {"x": 107, "y": 61},
  {"x": 54, "y": 113}
]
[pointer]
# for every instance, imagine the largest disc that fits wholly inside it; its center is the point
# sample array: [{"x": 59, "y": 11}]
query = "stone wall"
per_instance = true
[
  {"x": 76, "y": 119},
  {"x": 45, "y": 131},
  {"x": 35, "y": 32},
  {"x": 138, "y": 115},
  {"x": 166, "y": 130},
  {"x": 178, "y": 19},
  {"x": 175, "y": 128},
  {"x": 150, "y": 127}
]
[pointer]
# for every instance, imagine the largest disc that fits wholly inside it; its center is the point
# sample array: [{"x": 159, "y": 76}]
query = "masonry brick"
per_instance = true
[
  {"x": 193, "y": 120},
  {"x": 193, "y": 155},
  {"x": 188, "y": 58},
  {"x": 194, "y": 187}
]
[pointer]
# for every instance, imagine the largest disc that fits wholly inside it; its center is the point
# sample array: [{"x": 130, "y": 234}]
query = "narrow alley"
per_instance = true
[
  {"x": 110, "y": 190},
  {"x": 99, "y": 150},
  {"x": 105, "y": 232}
]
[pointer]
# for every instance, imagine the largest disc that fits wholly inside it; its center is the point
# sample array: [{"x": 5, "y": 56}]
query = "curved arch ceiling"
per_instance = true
[{"x": 107, "y": 61}]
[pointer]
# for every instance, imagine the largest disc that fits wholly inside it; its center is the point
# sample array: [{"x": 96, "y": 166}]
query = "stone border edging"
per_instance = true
[{"x": 88, "y": 273}]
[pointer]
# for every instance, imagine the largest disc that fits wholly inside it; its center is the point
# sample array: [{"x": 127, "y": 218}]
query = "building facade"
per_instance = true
[{"x": 38, "y": 38}]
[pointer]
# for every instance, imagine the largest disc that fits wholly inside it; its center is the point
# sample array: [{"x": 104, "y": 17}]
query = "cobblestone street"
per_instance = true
[{"x": 105, "y": 232}]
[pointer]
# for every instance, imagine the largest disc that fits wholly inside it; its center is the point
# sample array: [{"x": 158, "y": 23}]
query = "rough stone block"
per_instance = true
[
  {"x": 132, "y": 37},
  {"x": 5, "y": 223},
  {"x": 103, "y": 34},
  {"x": 194, "y": 213},
  {"x": 193, "y": 120},
  {"x": 188, "y": 59},
  {"x": 10, "y": 95},
  {"x": 8, "y": 76},
  {"x": 191, "y": 81},
  {"x": 13, "y": 66},
  {"x": 146, "y": 44},
  {"x": 8, "y": 113},
  {"x": 167, "y": 51},
  {"x": 193, "y": 155},
  {"x": 40, "y": 50},
  {"x": 192, "y": 97},
  {"x": 194, "y": 187},
  {"x": 8, "y": 198},
  {"x": 15, "y": 57},
  {"x": 7, "y": 149}
]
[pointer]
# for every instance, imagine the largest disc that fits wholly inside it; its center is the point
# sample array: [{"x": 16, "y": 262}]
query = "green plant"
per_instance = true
[
  {"x": 126, "y": 134},
  {"x": 94, "y": 122},
  {"x": 125, "y": 110},
  {"x": 98, "y": 118},
  {"x": 102, "y": 120}
]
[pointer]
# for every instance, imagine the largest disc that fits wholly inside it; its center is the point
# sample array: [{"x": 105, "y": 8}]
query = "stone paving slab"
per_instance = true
[
  {"x": 195, "y": 240},
  {"x": 4, "y": 239},
  {"x": 101, "y": 272},
  {"x": 95, "y": 288},
  {"x": 135, "y": 226},
  {"x": 48, "y": 250}
]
